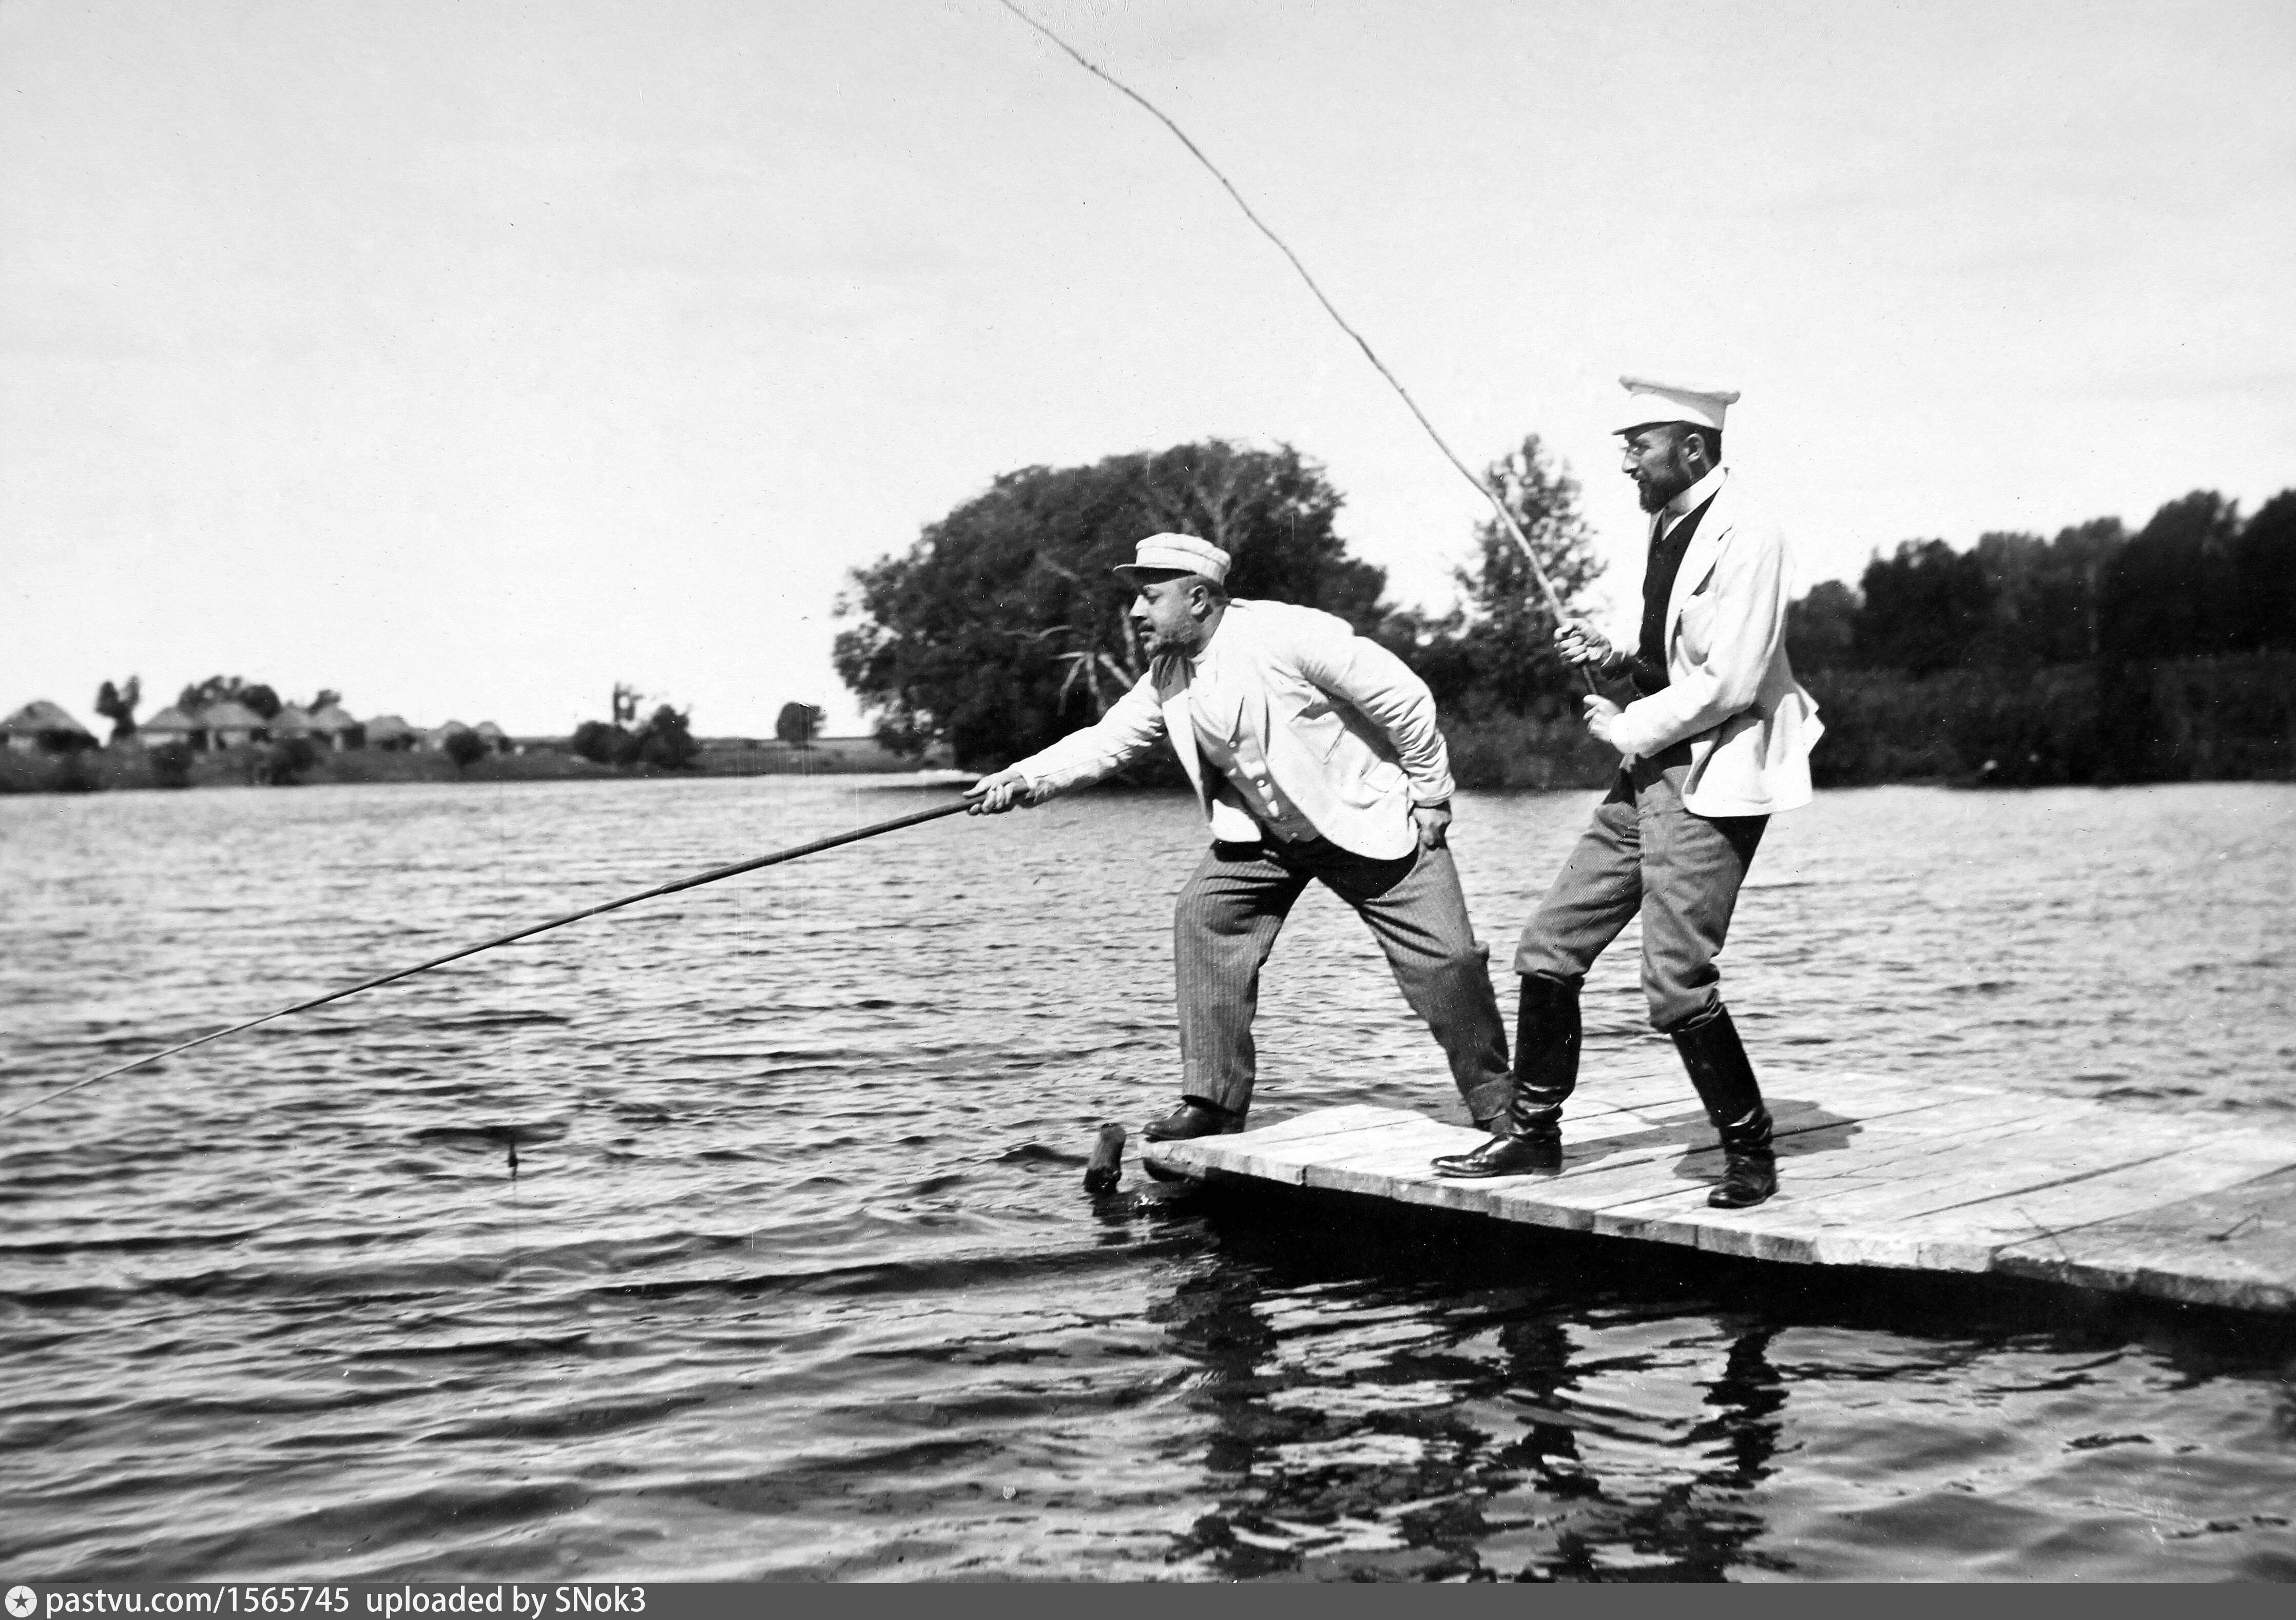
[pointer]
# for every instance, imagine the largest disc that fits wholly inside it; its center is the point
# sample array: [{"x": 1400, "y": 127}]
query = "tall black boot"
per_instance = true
[
  {"x": 1529, "y": 1140},
  {"x": 1725, "y": 1079}
]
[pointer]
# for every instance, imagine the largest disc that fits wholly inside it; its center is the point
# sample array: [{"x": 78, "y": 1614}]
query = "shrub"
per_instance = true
[
  {"x": 599, "y": 742},
  {"x": 171, "y": 764},
  {"x": 285, "y": 762},
  {"x": 667, "y": 742},
  {"x": 1517, "y": 751},
  {"x": 466, "y": 748}
]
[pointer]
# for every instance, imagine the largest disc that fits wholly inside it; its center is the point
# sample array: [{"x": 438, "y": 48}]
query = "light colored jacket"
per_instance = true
[
  {"x": 1731, "y": 695},
  {"x": 1348, "y": 731}
]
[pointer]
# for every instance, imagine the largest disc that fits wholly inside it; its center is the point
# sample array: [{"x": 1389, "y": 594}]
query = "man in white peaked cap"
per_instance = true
[
  {"x": 1716, "y": 740},
  {"x": 1314, "y": 757}
]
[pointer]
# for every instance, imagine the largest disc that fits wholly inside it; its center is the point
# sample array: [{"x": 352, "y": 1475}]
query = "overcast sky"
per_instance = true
[{"x": 468, "y": 357}]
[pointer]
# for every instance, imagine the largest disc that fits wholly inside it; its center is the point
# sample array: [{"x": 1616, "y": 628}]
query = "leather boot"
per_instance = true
[
  {"x": 1725, "y": 1079},
  {"x": 1528, "y": 1139}
]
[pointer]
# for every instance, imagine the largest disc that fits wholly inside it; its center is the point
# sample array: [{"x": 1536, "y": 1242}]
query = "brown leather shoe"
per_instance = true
[{"x": 1193, "y": 1118}]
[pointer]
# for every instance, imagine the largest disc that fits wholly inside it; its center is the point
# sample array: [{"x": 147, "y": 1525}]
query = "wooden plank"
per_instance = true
[
  {"x": 1613, "y": 1161},
  {"x": 1874, "y": 1173},
  {"x": 2229, "y": 1247}
]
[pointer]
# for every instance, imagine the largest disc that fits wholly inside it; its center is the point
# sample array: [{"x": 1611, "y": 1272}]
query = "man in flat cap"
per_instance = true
[
  {"x": 1315, "y": 757},
  {"x": 1716, "y": 742}
]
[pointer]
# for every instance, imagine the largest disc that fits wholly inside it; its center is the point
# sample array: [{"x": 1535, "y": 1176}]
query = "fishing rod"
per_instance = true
[
  {"x": 713, "y": 875},
  {"x": 1498, "y": 505}
]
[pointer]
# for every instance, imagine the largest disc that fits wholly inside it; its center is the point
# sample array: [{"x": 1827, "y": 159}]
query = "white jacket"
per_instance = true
[
  {"x": 1731, "y": 695},
  {"x": 1349, "y": 730}
]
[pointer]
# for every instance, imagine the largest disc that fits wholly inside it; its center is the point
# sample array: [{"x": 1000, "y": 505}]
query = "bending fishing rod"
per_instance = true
[
  {"x": 695, "y": 882},
  {"x": 1498, "y": 505}
]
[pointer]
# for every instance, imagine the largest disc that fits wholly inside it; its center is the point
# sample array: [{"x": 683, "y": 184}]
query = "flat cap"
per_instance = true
[{"x": 1176, "y": 554}]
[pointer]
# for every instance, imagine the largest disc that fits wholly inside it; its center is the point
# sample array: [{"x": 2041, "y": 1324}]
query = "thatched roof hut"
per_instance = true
[
  {"x": 292, "y": 720},
  {"x": 389, "y": 732},
  {"x": 496, "y": 738},
  {"x": 230, "y": 723},
  {"x": 335, "y": 723},
  {"x": 171, "y": 725},
  {"x": 436, "y": 741},
  {"x": 44, "y": 727}
]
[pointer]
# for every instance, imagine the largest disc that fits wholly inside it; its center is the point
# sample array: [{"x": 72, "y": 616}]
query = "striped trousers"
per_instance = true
[{"x": 1233, "y": 906}]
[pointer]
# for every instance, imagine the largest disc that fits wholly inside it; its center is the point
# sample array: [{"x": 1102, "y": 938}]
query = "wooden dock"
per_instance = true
[{"x": 1871, "y": 1172}]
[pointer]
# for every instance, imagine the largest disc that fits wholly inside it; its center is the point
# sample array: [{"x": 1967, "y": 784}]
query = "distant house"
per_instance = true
[
  {"x": 292, "y": 721},
  {"x": 493, "y": 736},
  {"x": 334, "y": 726},
  {"x": 390, "y": 733},
  {"x": 435, "y": 741},
  {"x": 171, "y": 725},
  {"x": 41, "y": 727},
  {"x": 231, "y": 724}
]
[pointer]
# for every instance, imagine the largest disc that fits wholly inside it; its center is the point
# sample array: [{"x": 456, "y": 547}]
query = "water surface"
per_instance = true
[{"x": 797, "y": 1279}]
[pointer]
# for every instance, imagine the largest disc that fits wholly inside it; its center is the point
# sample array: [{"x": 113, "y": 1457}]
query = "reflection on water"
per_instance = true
[
  {"x": 796, "y": 1276},
  {"x": 1446, "y": 1431},
  {"x": 1618, "y": 1422}
]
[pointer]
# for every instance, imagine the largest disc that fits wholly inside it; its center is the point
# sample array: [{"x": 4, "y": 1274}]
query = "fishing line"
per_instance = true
[
  {"x": 674, "y": 886},
  {"x": 1498, "y": 505}
]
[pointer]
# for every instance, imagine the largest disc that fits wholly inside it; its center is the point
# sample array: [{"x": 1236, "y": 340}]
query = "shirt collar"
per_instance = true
[
  {"x": 1206, "y": 657},
  {"x": 1691, "y": 499}
]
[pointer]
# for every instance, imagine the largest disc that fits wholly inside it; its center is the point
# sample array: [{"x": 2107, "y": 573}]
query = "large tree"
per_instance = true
[
  {"x": 2264, "y": 573},
  {"x": 2172, "y": 590},
  {"x": 117, "y": 704},
  {"x": 1822, "y": 629},
  {"x": 798, "y": 723},
  {"x": 1495, "y": 654},
  {"x": 1003, "y": 628},
  {"x": 229, "y": 689},
  {"x": 1925, "y": 609}
]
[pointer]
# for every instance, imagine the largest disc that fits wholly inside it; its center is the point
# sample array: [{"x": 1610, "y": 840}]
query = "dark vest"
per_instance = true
[{"x": 1666, "y": 550}]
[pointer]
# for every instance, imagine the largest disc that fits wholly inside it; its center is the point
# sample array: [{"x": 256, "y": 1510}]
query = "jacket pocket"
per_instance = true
[{"x": 1698, "y": 628}]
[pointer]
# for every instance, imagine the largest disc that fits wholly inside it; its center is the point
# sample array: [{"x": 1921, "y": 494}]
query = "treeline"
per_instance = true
[
  {"x": 2098, "y": 656},
  {"x": 1002, "y": 627}
]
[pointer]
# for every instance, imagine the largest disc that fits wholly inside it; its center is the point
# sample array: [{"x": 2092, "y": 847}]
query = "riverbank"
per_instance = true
[
  {"x": 262, "y": 764},
  {"x": 2231, "y": 718}
]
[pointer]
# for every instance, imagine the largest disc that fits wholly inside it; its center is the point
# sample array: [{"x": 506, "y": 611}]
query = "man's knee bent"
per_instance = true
[
  {"x": 1540, "y": 954},
  {"x": 1676, "y": 1006}
]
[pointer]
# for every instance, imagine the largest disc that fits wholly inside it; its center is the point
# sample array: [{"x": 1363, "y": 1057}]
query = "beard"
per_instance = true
[
  {"x": 1183, "y": 642},
  {"x": 1655, "y": 489}
]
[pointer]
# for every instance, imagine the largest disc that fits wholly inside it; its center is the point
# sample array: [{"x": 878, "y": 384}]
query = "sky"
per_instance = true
[{"x": 469, "y": 358}]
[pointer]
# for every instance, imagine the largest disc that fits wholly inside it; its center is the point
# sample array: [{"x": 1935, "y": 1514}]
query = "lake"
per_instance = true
[{"x": 796, "y": 1277}]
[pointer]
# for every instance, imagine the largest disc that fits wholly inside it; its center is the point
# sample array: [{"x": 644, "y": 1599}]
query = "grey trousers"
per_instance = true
[
  {"x": 1645, "y": 853},
  {"x": 1231, "y": 909}
]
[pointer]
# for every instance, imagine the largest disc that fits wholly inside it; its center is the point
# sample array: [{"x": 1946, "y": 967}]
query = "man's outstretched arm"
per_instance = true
[{"x": 1129, "y": 728}]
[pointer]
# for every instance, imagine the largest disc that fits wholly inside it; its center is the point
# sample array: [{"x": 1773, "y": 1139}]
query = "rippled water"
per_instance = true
[{"x": 796, "y": 1277}]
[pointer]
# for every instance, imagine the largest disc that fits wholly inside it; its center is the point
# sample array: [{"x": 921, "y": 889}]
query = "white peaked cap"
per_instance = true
[
  {"x": 1648, "y": 402},
  {"x": 1178, "y": 554}
]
